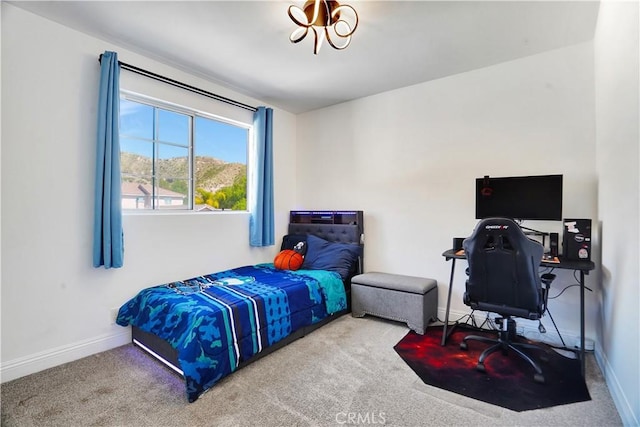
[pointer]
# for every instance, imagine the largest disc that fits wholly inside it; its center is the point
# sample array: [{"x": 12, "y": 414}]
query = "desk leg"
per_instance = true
[
  {"x": 582, "y": 361},
  {"x": 445, "y": 335}
]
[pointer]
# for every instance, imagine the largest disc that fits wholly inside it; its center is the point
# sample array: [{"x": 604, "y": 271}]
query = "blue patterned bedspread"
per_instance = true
[{"x": 219, "y": 320}]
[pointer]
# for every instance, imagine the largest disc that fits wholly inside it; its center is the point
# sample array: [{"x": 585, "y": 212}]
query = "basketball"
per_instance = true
[{"x": 288, "y": 260}]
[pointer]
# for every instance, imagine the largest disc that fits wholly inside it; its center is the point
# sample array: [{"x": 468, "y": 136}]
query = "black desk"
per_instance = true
[{"x": 582, "y": 266}]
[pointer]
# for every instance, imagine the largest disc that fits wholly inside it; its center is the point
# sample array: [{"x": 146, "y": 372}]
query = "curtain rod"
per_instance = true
[{"x": 181, "y": 85}]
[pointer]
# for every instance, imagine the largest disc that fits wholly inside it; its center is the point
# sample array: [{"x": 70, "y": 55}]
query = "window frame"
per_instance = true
[{"x": 192, "y": 113}]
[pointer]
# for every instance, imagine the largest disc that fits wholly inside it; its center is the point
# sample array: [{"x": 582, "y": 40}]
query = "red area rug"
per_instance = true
[{"x": 508, "y": 381}]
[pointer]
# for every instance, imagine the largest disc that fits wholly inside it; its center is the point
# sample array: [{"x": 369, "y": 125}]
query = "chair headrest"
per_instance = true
[
  {"x": 498, "y": 226},
  {"x": 503, "y": 233}
]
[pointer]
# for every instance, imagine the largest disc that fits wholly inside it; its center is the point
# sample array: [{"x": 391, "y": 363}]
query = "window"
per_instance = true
[{"x": 174, "y": 158}]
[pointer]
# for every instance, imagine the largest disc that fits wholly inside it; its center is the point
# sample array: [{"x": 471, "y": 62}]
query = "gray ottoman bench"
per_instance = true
[{"x": 408, "y": 299}]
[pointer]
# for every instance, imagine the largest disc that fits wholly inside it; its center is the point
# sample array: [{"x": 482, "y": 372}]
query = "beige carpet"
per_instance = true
[{"x": 345, "y": 373}]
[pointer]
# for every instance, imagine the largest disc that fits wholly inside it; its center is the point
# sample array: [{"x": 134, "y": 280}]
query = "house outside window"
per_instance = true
[{"x": 175, "y": 158}]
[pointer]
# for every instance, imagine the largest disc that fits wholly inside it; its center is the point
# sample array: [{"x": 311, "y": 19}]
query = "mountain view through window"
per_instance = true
[{"x": 179, "y": 159}]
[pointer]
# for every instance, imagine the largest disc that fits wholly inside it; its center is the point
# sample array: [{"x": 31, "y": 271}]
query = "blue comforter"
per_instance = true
[{"x": 219, "y": 320}]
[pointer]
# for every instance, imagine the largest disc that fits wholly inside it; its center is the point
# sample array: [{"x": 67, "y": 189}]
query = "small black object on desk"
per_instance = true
[{"x": 583, "y": 266}]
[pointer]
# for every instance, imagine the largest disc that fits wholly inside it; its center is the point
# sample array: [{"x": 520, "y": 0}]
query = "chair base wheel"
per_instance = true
[{"x": 504, "y": 345}]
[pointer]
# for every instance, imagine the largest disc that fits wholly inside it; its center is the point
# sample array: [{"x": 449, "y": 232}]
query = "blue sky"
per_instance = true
[{"x": 212, "y": 138}]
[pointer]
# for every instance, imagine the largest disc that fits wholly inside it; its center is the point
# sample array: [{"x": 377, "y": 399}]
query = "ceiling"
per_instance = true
[{"x": 244, "y": 45}]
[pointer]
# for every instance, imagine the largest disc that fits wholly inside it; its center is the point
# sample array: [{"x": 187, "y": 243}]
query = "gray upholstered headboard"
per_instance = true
[
  {"x": 343, "y": 233},
  {"x": 333, "y": 226}
]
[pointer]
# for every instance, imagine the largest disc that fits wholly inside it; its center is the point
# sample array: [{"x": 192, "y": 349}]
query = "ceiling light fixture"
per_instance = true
[{"x": 325, "y": 18}]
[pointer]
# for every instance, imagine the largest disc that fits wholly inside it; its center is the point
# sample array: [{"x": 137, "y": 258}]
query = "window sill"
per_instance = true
[{"x": 142, "y": 212}]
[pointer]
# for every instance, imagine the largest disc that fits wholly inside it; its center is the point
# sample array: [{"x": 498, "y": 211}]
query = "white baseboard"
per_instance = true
[
  {"x": 31, "y": 364},
  {"x": 617, "y": 394}
]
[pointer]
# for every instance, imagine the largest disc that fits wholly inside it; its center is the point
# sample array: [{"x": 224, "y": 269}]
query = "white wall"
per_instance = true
[
  {"x": 0, "y": 181},
  {"x": 409, "y": 159},
  {"x": 617, "y": 136},
  {"x": 55, "y": 306}
]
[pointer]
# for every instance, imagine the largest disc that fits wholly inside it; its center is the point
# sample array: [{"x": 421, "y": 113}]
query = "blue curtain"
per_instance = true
[
  {"x": 262, "y": 228},
  {"x": 108, "y": 245}
]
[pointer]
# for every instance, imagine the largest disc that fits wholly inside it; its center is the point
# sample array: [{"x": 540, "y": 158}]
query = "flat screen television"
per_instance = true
[{"x": 520, "y": 197}]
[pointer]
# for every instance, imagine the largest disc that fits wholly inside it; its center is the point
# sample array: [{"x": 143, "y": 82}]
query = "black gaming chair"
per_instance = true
[{"x": 504, "y": 279}]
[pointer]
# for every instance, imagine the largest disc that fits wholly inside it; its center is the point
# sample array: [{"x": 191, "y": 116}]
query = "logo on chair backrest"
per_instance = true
[{"x": 496, "y": 227}]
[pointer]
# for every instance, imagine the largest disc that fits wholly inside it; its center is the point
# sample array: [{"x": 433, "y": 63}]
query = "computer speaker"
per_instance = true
[
  {"x": 457, "y": 243},
  {"x": 553, "y": 244}
]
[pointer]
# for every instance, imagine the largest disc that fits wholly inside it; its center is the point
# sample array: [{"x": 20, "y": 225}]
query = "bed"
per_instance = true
[{"x": 206, "y": 327}]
